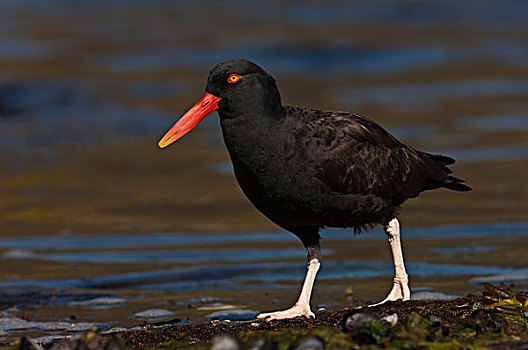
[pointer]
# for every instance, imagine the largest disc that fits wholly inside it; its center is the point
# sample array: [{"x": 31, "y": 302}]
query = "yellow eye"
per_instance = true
[{"x": 233, "y": 78}]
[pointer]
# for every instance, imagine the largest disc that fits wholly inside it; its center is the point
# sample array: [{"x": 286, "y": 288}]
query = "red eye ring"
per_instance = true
[{"x": 233, "y": 78}]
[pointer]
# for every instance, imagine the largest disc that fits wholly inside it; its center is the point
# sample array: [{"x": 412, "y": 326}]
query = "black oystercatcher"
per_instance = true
[{"x": 306, "y": 169}]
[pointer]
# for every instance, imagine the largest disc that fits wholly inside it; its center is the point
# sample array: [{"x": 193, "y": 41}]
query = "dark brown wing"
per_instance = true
[{"x": 354, "y": 155}]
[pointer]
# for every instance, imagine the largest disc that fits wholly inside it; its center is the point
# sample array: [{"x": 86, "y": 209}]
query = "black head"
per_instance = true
[
  {"x": 243, "y": 87},
  {"x": 237, "y": 89}
]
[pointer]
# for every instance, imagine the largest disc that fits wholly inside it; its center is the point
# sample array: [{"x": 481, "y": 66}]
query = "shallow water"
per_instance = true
[
  {"x": 216, "y": 258},
  {"x": 97, "y": 223},
  {"x": 177, "y": 266},
  {"x": 167, "y": 240}
]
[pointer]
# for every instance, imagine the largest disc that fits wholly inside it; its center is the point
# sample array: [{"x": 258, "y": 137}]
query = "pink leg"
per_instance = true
[
  {"x": 302, "y": 306},
  {"x": 400, "y": 287}
]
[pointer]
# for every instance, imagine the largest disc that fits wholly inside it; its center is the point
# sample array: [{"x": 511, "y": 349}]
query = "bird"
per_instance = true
[{"x": 308, "y": 169}]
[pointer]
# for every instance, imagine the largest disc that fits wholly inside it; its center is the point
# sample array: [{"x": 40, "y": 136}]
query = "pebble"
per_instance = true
[
  {"x": 154, "y": 313},
  {"x": 203, "y": 301},
  {"x": 48, "y": 339},
  {"x": 434, "y": 319},
  {"x": 233, "y": 315},
  {"x": 20, "y": 254},
  {"x": 68, "y": 326},
  {"x": 100, "y": 303},
  {"x": 167, "y": 323},
  {"x": 216, "y": 307},
  {"x": 425, "y": 295},
  {"x": 114, "y": 330},
  {"x": 11, "y": 323},
  {"x": 353, "y": 319},
  {"x": 495, "y": 291},
  {"x": 313, "y": 342},
  {"x": 504, "y": 278},
  {"x": 263, "y": 344},
  {"x": 391, "y": 320},
  {"x": 227, "y": 342}
]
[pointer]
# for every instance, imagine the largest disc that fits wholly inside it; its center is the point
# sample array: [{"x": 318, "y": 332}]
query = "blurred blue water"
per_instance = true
[
  {"x": 495, "y": 123},
  {"x": 221, "y": 268},
  {"x": 164, "y": 240},
  {"x": 168, "y": 256},
  {"x": 38, "y": 115},
  {"x": 237, "y": 276},
  {"x": 426, "y": 96},
  {"x": 196, "y": 35},
  {"x": 518, "y": 152},
  {"x": 19, "y": 48},
  {"x": 318, "y": 61},
  {"x": 510, "y": 13}
]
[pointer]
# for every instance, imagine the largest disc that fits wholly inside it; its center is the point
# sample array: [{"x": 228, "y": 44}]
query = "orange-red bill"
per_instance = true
[{"x": 200, "y": 110}]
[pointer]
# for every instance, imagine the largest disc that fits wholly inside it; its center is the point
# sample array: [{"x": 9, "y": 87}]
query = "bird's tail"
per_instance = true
[
  {"x": 442, "y": 177},
  {"x": 456, "y": 184},
  {"x": 444, "y": 160}
]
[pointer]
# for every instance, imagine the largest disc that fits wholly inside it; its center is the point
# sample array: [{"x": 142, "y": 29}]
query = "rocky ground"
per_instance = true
[{"x": 497, "y": 319}]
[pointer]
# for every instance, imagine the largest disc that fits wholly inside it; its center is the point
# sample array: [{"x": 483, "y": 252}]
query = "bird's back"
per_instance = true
[{"x": 355, "y": 157}]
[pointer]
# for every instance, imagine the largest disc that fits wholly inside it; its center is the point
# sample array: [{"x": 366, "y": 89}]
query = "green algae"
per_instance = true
[{"x": 371, "y": 333}]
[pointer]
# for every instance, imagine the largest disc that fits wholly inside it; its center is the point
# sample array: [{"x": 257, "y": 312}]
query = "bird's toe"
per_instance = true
[
  {"x": 287, "y": 314},
  {"x": 400, "y": 291}
]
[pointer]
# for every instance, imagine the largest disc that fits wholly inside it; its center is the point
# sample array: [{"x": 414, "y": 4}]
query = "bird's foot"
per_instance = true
[
  {"x": 295, "y": 311},
  {"x": 400, "y": 290}
]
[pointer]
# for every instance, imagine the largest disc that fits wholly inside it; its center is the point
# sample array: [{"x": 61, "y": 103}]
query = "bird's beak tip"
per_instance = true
[{"x": 200, "y": 110}]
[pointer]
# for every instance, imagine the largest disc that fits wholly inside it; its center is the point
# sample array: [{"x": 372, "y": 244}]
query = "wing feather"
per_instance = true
[{"x": 354, "y": 155}]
